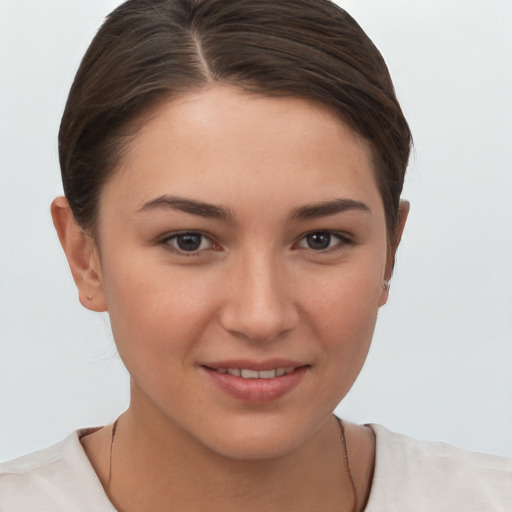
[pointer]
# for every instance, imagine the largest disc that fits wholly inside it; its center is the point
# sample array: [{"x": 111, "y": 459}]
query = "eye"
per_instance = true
[
  {"x": 188, "y": 242},
  {"x": 322, "y": 241}
]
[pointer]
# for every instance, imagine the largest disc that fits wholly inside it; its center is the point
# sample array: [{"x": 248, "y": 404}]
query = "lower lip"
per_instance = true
[{"x": 257, "y": 391}]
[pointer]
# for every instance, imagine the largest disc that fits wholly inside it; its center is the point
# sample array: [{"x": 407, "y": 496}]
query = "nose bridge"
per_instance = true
[{"x": 259, "y": 306}]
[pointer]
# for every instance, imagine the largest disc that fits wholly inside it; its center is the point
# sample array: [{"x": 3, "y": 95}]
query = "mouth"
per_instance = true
[
  {"x": 247, "y": 373},
  {"x": 256, "y": 383}
]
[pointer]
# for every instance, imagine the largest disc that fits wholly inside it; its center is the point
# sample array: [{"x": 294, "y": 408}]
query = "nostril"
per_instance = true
[{"x": 258, "y": 306}]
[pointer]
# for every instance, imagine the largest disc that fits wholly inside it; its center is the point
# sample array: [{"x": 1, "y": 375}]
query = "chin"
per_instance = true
[
  {"x": 263, "y": 438},
  {"x": 252, "y": 448}
]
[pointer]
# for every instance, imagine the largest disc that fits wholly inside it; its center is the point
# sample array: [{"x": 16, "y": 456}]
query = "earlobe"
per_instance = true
[
  {"x": 384, "y": 293},
  {"x": 82, "y": 256},
  {"x": 403, "y": 212}
]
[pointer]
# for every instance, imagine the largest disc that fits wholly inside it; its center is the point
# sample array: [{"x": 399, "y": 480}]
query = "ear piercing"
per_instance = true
[
  {"x": 385, "y": 286},
  {"x": 89, "y": 297}
]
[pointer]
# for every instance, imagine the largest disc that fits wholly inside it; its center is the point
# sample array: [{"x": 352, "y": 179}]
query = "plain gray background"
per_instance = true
[{"x": 441, "y": 364}]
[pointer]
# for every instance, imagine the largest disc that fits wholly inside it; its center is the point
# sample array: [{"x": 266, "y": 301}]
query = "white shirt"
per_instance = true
[{"x": 410, "y": 476}]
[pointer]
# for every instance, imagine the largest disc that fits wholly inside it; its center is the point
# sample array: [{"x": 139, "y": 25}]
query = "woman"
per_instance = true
[{"x": 232, "y": 172}]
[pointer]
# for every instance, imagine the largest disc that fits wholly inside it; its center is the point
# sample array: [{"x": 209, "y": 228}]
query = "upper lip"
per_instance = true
[{"x": 248, "y": 364}]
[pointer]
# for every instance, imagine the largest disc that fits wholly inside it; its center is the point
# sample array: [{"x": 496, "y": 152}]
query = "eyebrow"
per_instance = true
[
  {"x": 328, "y": 208},
  {"x": 210, "y": 211},
  {"x": 191, "y": 206}
]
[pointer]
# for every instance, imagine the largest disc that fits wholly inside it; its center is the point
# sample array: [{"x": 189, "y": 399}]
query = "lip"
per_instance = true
[
  {"x": 256, "y": 391},
  {"x": 259, "y": 366}
]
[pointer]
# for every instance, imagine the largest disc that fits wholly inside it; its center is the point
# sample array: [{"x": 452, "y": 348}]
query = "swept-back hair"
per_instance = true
[{"x": 149, "y": 51}]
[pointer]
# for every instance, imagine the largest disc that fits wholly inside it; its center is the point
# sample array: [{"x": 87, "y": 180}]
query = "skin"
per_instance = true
[{"x": 256, "y": 289}]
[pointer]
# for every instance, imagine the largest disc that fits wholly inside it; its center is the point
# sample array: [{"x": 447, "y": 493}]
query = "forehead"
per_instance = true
[{"x": 243, "y": 148}]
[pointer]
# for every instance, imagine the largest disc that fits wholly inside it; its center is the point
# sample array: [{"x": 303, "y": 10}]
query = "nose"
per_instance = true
[{"x": 259, "y": 305}]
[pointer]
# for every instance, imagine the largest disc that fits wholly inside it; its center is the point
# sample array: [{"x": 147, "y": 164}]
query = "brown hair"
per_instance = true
[{"x": 150, "y": 50}]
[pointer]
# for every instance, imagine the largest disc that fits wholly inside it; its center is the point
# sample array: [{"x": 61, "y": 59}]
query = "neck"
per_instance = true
[{"x": 155, "y": 470}]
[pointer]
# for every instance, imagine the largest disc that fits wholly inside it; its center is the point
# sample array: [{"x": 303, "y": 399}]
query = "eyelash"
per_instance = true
[
  {"x": 167, "y": 242},
  {"x": 342, "y": 241}
]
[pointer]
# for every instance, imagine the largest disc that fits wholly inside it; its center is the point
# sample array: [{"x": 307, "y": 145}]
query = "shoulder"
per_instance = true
[
  {"x": 436, "y": 477},
  {"x": 54, "y": 479}
]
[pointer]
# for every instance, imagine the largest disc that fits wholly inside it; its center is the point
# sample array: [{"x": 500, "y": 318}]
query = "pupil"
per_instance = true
[
  {"x": 189, "y": 242},
  {"x": 319, "y": 240}
]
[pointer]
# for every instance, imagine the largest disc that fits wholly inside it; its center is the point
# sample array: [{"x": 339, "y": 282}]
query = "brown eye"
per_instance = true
[
  {"x": 189, "y": 242},
  {"x": 318, "y": 241},
  {"x": 321, "y": 241}
]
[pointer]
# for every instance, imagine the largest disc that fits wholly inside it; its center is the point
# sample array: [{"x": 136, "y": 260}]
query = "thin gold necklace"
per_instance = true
[
  {"x": 347, "y": 463},
  {"x": 343, "y": 444},
  {"x": 112, "y": 442}
]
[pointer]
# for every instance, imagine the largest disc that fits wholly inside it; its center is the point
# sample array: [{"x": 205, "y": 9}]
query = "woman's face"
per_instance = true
[{"x": 243, "y": 236}]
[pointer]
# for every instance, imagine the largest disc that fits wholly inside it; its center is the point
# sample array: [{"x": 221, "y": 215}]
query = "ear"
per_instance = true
[
  {"x": 82, "y": 255},
  {"x": 403, "y": 212}
]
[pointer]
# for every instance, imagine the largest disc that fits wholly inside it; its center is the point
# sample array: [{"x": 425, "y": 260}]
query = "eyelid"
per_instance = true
[
  {"x": 343, "y": 240},
  {"x": 165, "y": 241}
]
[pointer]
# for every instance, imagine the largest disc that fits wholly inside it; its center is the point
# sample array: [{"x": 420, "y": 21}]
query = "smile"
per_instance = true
[
  {"x": 256, "y": 383},
  {"x": 255, "y": 374}
]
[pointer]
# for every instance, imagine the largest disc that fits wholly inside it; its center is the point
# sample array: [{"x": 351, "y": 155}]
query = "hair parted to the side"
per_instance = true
[{"x": 148, "y": 51}]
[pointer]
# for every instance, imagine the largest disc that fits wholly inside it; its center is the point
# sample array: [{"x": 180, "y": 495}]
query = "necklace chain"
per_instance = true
[
  {"x": 347, "y": 463},
  {"x": 112, "y": 441},
  {"x": 343, "y": 444}
]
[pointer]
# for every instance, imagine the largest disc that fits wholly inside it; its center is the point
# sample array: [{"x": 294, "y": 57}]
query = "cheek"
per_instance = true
[
  {"x": 345, "y": 310},
  {"x": 155, "y": 310}
]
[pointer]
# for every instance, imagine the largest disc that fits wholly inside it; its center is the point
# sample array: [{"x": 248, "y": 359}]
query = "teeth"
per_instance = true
[
  {"x": 250, "y": 374},
  {"x": 254, "y": 374}
]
